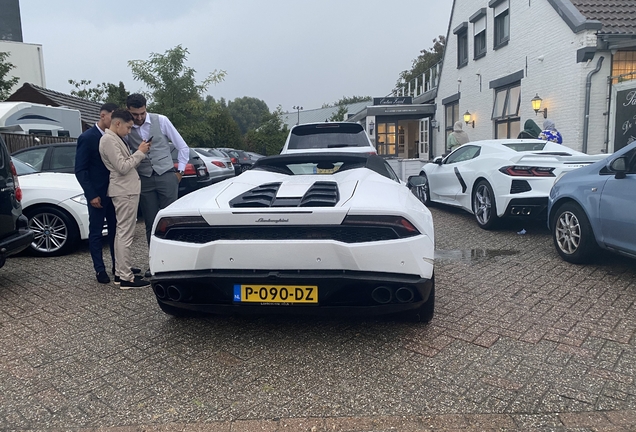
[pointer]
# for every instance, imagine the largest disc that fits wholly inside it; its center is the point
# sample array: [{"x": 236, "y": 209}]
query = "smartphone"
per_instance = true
[{"x": 149, "y": 139}]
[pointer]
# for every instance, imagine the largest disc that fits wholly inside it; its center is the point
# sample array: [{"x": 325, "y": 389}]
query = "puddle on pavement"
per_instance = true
[{"x": 471, "y": 254}]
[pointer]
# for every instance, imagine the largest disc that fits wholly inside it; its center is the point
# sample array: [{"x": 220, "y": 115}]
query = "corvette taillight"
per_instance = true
[
  {"x": 527, "y": 171},
  {"x": 399, "y": 224},
  {"x": 167, "y": 223},
  {"x": 16, "y": 182}
]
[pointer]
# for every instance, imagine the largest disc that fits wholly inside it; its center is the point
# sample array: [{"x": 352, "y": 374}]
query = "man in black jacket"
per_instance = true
[{"x": 92, "y": 175}]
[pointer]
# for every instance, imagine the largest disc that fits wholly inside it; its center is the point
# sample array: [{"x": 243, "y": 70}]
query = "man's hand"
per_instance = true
[
  {"x": 96, "y": 202},
  {"x": 179, "y": 176},
  {"x": 144, "y": 147}
]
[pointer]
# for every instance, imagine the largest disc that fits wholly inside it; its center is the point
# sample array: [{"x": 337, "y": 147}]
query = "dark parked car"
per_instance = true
[
  {"x": 195, "y": 174},
  {"x": 243, "y": 160},
  {"x": 57, "y": 157},
  {"x": 15, "y": 236}
]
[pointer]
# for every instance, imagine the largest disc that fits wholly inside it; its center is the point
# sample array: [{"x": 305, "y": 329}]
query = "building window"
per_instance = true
[
  {"x": 386, "y": 139},
  {"x": 624, "y": 66},
  {"x": 461, "y": 31},
  {"x": 450, "y": 117},
  {"x": 462, "y": 49},
  {"x": 479, "y": 39},
  {"x": 502, "y": 24},
  {"x": 505, "y": 111}
]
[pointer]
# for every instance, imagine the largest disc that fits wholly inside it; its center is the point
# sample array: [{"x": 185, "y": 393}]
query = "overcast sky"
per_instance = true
[{"x": 285, "y": 52}]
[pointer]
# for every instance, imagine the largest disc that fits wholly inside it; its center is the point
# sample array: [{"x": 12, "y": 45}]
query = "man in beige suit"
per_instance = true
[{"x": 123, "y": 189}]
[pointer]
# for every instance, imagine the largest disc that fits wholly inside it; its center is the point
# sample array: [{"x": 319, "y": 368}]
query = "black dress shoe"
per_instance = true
[
  {"x": 134, "y": 270},
  {"x": 136, "y": 277},
  {"x": 147, "y": 274},
  {"x": 102, "y": 277}
]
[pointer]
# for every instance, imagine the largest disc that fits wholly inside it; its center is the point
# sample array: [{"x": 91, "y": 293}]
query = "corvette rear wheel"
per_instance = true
[
  {"x": 484, "y": 206},
  {"x": 572, "y": 234}
]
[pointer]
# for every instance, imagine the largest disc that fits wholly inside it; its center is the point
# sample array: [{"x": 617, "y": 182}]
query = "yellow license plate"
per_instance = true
[{"x": 275, "y": 294}]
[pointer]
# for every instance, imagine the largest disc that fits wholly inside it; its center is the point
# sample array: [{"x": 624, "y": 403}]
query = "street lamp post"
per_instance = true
[{"x": 297, "y": 108}]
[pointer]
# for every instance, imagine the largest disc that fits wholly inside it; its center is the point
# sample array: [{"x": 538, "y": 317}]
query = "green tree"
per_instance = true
[
  {"x": 6, "y": 82},
  {"x": 248, "y": 112},
  {"x": 270, "y": 137},
  {"x": 102, "y": 93},
  {"x": 422, "y": 64},
  {"x": 172, "y": 85},
  {"x": 340, "y": 114}
]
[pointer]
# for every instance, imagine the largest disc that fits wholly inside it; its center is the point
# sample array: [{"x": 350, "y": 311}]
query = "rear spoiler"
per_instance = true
[{"x": 558, "y": 157}]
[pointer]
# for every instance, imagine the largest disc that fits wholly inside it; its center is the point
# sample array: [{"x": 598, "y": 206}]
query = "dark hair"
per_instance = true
[
  {"x": 122, "y": 114},
  {"x": 135, "y": 100},
  {"x": 108, "y": 107}
]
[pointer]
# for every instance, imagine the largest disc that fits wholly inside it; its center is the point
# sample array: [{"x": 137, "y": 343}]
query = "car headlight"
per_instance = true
[{"x": 80, "y": 199}]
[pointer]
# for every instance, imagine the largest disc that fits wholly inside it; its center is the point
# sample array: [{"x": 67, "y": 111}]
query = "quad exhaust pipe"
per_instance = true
[
  {"x": 385, "y": 295},
  {"x": 172, "y": 292}
]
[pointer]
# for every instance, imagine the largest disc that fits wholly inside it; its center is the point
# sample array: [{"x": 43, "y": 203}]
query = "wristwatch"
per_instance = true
[{"x": 181, "y": 173}]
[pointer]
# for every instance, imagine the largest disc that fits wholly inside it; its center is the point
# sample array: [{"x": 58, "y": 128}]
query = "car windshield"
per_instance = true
[
  {"x": 319, "y": 163},
  {"x": 204, "y": 153},
  {"x": 23, "y": 168},
  {"x": 327, "y": 136},
  {"x": 530, "y": 146}
]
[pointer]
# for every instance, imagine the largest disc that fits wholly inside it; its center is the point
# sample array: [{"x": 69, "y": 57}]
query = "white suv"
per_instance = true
[{"x": 328, "y": 137}]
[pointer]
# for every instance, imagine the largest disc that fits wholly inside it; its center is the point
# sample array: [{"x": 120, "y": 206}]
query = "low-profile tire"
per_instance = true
[
  {"x": 484, "y": 206},
  {"x": 56, "y": 233},
  {"x": 573, "y": 235},
  {"x": 174, "y": 311},
  {"x": 427, "y": 310}
]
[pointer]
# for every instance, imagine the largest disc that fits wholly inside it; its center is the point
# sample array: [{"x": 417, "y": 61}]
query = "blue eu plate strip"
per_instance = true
[{"x": 237, "y": 293}]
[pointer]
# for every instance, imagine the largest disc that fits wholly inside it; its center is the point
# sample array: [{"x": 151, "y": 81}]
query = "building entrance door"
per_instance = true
[{"x": 424, "y": 142}]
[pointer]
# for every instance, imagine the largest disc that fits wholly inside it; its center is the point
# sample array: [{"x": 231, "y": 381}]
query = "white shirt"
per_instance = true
[{"x": 168, "y": 129}]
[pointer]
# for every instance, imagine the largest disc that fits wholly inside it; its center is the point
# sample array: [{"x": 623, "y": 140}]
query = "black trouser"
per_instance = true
[{"x": 96, "y": 218}]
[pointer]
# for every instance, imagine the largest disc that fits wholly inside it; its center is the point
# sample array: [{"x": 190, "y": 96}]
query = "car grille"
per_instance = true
[
  {"x": 520, "y": 186},
  {"x": 320, "y": 194},
  {"x": 345, "y": 234}
]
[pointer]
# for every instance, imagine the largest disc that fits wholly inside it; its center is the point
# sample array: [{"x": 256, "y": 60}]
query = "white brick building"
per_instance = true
[{"x": 500, "y": 54}]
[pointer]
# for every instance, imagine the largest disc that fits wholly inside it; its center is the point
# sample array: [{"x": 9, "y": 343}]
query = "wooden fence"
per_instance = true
[{"x": 17, "y": 142}]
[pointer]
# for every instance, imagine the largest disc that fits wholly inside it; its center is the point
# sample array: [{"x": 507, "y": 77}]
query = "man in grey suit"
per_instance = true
[
  {"x": 159, "y": 179},
  {"x": 123, "y": 188}
]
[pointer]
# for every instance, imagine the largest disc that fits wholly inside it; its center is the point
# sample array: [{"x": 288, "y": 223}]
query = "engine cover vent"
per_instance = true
[{"x": 320, "y": 194}]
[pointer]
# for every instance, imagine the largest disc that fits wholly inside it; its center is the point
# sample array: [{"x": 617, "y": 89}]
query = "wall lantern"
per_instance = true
[
  {"x": 536, "y": 106},
  {"x": 467, "y": 117},
  {"x": 371, "y": 126}
]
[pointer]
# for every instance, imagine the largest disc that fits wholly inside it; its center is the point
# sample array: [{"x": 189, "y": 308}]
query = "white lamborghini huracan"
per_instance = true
[{"x": 298, "y": 233}]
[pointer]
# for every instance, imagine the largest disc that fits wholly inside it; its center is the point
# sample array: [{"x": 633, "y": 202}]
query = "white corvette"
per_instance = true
[
  {"x": 500, "y": 178},
  {"x": 298, "y": 233},
  {"x": 56, "y": 208}
]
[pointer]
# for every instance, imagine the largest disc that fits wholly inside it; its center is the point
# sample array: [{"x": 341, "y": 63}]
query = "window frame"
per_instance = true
[
  {"x": 448, "y": 126},
  {"x": 501, "y": 24},
  {"x": 462, "y": 49}
]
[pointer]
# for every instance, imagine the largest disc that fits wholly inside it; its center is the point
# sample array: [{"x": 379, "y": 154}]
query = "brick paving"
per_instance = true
[{"x": 520, "y": 341}]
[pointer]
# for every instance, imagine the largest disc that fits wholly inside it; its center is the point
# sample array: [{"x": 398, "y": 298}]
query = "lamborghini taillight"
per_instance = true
[
  {"x": 167, "y": 223},
  {"x": 399, "y": 224}
]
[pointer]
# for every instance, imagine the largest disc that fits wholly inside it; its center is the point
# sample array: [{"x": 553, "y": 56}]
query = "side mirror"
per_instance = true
[
  {"x": 438, "y": 160},
  {"x": 415, "y": 180},
  {"x": 619, "y": 167}
]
